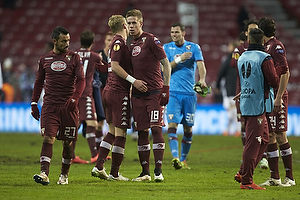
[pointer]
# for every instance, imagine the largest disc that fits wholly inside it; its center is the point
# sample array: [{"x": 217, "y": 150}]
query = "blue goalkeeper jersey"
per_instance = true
[{"x": 183, "y": 75}]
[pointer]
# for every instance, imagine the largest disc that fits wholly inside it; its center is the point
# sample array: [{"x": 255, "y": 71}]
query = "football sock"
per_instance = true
[
  {"x": 144, "y": 149},
  {"x": 66, "y": 159},
  {"x": 117, "y": 155},
  {"x": 286, "y": 155},
  {"x": 104, "y": 149},
  {"x": 90, "y": 136},
  {"x": 173, "y": 142},
  {"x": 186, "y": 144},
  {"x": 99, "y": 138},
  {"x": 45, "y": 158},
  {"x": 273, "y": 160},
  {"x": 158, "y": 145}
]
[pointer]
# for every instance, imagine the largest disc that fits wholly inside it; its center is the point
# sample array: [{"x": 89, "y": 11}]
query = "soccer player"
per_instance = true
[
  {"x": 60, "y": 72},
  {"x": 184, "y": 57},
  {"x": 116, "y": 100},
  {"x": 257, "y": 74},
  {"x": 86, "y": 105},
  {"x": 278, "y": 118},
  {"x": 147, "y": 56},
  {"x": 249, "y": 25}
]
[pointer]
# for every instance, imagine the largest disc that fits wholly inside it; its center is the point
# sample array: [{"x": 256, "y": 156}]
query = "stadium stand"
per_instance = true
[{"x": 27, "y": 28}]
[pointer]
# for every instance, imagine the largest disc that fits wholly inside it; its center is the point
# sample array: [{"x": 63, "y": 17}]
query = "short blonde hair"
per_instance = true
[
  {"x": 115, "y": 22},
  {"x": 135, "y": 13}
]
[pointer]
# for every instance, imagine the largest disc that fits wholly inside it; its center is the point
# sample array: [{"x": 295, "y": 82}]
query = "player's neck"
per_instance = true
[
  {"x": 138, "y": 35},
  {"x": 179, "y": 43},
  {"x": 269, "y": 38},
  {"x": 122, "y": 34}
]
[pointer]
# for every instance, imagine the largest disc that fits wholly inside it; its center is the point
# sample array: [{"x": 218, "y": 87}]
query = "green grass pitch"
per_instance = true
[{"x": 214, "y": 161}]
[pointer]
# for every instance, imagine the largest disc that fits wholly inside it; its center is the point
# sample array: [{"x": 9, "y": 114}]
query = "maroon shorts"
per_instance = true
[
  {"x": 57, "y": 122},
  {"x": 117, "y": 108},
  {"x": 87, "y": 109},
  {"x": 277, "y": 121},
  {"x": 147, "y": 111}
]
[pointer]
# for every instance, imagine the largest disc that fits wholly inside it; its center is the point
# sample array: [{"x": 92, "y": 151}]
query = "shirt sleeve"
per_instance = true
[
  {"x": 39, "y": 82},
  {"x": 270, "y": 72}
]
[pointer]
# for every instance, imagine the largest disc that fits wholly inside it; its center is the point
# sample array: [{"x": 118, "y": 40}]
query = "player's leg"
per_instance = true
[
  {"x": 286, "y": 155},
  {"x": 174, "y": 117},
  {"x": 189, "y": 108},
  {"x": 91, "y": 139},
  {"x": 158, "y": 151},
  {"x": 118, "y": 155},
  {"x": 68, "y": 132},
  {"x": 256, "y": 140},
  {"x": 186, "y": 144},
  {"x": 49, "y": 129},
  {"x": 66, "y": 162}
]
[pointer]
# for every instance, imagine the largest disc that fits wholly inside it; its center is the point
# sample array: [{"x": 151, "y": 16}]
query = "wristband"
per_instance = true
[
  {"x": 178, "y": 59},
  {"x": 33, "y": 103},
  {"x": 130, "y": 79}
]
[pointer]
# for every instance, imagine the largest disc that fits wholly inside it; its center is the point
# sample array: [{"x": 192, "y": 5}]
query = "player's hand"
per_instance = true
[
  {"x": 35, "y": 111},
  {"x": 71, "y": 104},
  {"x": 140, "y": 85},
  {"x": 186, "y": 55},
  {"x": 164, "y": 98},
  {"x": 277, "y": 104}
]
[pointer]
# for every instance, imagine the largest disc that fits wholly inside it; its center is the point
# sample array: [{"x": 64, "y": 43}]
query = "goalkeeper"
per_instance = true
[{"x": 184, "y": 57}]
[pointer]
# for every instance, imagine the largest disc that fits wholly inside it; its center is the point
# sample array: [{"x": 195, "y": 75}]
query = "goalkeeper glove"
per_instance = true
[{"x": 203, "y": 91}]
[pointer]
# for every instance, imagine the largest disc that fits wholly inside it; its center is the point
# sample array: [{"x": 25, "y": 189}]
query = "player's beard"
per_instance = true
[{"x": 63, "y": 50}]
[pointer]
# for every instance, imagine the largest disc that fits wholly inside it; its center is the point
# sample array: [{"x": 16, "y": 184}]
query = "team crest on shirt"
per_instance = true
[
  {"x": 188, "y": 47},
  {"x": 170, "y": 116},
  {"x": 143, "y": 39},
  {"x": 116, "y": 47},
  {"x": 259, "y": 121},
  {"x": 58, "y": 66},
  {"x": 156, "y": 40},
  {"x": 279, "y": 49},
  {"x": 136, "y": 51},
  {"x": 68, "y": 57}
]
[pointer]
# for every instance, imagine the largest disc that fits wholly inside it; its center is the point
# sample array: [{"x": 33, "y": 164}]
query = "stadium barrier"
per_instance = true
[{"x": 210, "y": 119}]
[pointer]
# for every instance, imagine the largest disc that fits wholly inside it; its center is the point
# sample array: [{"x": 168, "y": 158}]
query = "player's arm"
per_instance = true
[
  {"x": 138, "y": 84},
  {"x": 72, "y": 102},
  {"x": 166, "y": 68},
  {"x": 202, "y": 72},
  {"x": 37, "y": 89},
  {"x": 272, "y": 77},
  {"x": 183, "y": 57}
]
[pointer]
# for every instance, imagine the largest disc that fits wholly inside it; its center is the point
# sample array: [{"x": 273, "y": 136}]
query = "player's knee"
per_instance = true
[
  {"x": 172, "y": 125},
  {"x": 187, "y": 129},
  {"x": 66, "y": 143},
  {"x": 281, "y": 138},
  {"x": 49, "y": 139},
  {"x": 92, "y": 123},
  {"x": 272, "y": 138}
]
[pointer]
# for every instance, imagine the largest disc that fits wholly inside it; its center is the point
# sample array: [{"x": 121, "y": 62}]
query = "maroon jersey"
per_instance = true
[
  {"x": 60, "y": 74},
  {"x": 146, "y": 53},
  {"x": 238, "y": 51},
  {"x": 89, "y": 59},
  {"x": 276, "y": 49},
  {"x": 118, "y": 52},
  {"x": 278, "y": 121}
]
